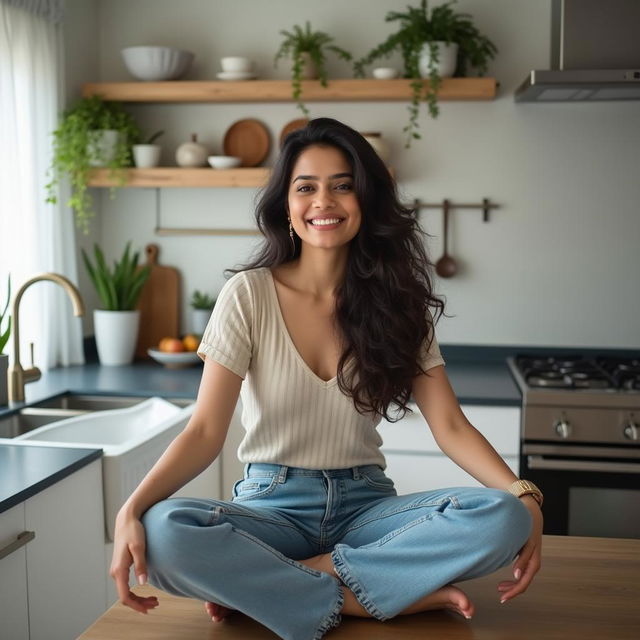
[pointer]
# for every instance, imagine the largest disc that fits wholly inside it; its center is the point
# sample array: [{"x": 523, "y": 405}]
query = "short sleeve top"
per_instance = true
[{"x": 290, "y": 415}]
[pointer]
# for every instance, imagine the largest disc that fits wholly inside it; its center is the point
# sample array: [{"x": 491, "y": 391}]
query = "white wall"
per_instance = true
[{"x": 557, "y": 265}]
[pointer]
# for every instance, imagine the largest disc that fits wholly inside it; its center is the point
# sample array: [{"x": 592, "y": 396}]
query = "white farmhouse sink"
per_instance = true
[{"x": 132, "y": 440}]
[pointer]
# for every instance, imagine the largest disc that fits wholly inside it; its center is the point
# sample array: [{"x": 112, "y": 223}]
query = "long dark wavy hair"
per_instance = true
[{"x": 385, "y": 307}]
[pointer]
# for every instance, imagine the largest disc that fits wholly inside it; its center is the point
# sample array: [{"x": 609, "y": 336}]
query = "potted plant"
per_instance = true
[
  {"x": 147, "y": 154},
  {"x": 5, "y": 321},
  {"x": 424, "y": 39},
  {"x": 307, "y": 49},
  {"x": 116, "y": 323},
  {"x": 92, "y": 133},
  {"x": 201, "y": 305}
]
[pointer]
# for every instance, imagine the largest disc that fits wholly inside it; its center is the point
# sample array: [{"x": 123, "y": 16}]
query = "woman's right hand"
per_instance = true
[{"x": 129, "y": 549}]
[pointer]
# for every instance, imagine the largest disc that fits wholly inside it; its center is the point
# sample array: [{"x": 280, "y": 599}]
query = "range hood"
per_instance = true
[{"x": 595, "y": 54}]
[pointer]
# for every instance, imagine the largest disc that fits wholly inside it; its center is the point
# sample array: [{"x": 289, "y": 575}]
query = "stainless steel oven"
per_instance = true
[{"x": 581, "y": 441}]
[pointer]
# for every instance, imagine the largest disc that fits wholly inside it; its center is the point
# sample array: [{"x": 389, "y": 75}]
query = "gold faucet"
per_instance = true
[{"x": 18, "y": 376}]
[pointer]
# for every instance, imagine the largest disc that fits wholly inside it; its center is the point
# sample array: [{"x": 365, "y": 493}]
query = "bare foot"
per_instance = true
[
  {"x": 447, "y": 597},
  {"x": 216, "y": 611}
]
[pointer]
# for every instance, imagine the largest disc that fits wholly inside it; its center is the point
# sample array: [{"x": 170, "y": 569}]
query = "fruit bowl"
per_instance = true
[{"x": 179, "y": 360}]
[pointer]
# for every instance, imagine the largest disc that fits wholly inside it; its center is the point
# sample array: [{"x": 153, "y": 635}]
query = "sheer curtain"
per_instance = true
[{"x": 34, "y": 236}]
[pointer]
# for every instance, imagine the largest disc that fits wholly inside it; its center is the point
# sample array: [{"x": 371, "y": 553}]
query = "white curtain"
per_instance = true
[{"x": 34, "y": 236}]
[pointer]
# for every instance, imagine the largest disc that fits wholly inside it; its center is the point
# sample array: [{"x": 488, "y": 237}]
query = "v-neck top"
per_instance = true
[{"x": 290, "y": 415}]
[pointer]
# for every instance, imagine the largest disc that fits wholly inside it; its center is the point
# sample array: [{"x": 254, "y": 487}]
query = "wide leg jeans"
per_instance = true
[{"x": 389, "y": 550}]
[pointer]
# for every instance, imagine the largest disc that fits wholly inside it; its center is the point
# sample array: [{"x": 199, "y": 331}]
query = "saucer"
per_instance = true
[{"x": 236, "y": 75}]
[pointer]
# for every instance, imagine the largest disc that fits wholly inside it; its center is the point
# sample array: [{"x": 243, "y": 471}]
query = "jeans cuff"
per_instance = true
[
  {"x": 334, "y": 618},
  {"x": 353, "y": 585}
]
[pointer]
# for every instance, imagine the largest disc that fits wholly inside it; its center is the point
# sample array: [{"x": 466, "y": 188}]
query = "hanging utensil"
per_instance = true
[{"x": 446, "y": 267}]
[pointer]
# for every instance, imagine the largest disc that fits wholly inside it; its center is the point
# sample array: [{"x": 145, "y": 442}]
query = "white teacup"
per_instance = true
[{"x": 236, "y": 64}]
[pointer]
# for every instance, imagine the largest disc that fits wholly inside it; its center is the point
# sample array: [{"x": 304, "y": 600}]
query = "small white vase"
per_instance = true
[
  {"x": 102, "y": 147},
  {"x": 146, "y": 155},
  {"x": 447, "y": 55},
  {"x": 116, "y": 335},
  {"x": 4, "y": 364},
  {"x": 199, "y": 320}
]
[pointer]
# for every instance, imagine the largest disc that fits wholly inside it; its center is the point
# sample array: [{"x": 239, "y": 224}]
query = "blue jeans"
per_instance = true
[{"x": 389, "y": 550}]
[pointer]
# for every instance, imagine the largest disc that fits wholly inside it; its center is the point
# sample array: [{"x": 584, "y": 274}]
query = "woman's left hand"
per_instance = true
[{"x": 528, "y": 561}]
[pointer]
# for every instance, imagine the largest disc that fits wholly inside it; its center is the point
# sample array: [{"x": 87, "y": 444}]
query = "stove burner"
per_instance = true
[{"x": 577, "y": 372}]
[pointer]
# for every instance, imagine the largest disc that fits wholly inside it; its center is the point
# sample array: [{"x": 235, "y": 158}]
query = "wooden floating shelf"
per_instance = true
[
  {"x": 181, "y": 177},
  {"x": 357, "y": 89}
]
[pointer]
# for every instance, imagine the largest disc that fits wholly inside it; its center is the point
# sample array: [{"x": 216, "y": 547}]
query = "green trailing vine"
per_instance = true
[
  {"x": 299, "y": 41},
  {"x": 416, "y": 28},
  {"x": 74, "y": 149}
]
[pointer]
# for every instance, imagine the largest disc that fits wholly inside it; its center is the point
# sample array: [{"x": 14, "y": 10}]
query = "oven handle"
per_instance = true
[{"x": 539, "y": 462}]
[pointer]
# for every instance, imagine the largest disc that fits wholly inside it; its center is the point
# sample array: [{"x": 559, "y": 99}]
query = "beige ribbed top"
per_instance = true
[{"x": 290, "y": 415}]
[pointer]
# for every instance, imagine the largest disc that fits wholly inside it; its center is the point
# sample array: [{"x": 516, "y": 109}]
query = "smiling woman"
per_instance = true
[
  {"x": 326, "y": 332},
  {"x": 34, "y": 236}
]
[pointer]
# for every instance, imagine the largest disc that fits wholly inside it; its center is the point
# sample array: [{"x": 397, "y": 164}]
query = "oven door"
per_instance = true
[{"x": 588, "y": 490}]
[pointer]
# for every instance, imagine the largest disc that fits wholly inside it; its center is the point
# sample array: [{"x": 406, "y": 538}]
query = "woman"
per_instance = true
[{"x": 330, "y": 329}]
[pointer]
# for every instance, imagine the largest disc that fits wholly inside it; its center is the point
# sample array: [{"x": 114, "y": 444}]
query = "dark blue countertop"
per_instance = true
[{"x": 27, "y": 470}]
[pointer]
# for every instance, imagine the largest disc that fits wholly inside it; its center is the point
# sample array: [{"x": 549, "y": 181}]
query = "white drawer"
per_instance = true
[{"x": 499, "y": 425}]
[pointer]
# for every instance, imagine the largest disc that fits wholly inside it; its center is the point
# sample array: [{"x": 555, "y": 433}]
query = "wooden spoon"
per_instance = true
[{"x": 446, "y": 267}]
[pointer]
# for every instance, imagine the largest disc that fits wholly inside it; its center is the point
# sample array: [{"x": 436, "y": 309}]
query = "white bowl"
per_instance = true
[
  {"x": 236, "y": 63},
  {"x": 157, "y": 63},
  {"x": 385, "y": 73},
  {"x": 224, "y": 162},
  {"x": 175, "y": 360}
]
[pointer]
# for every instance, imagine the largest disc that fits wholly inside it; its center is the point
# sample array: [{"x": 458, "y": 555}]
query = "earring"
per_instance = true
[{"x": 293, "y": 243}]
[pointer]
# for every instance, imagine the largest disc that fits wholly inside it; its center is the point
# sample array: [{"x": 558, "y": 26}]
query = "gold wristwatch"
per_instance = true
[{"x": 525, "y": 488}]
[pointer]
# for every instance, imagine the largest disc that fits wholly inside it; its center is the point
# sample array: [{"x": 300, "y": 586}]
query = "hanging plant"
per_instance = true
[
  {"x": 301, "y": 41},
  {"x": 77, "y": 148},
  {"x": 419, "y": 28}
]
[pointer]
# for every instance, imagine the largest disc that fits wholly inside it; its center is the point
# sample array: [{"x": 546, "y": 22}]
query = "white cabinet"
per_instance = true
[
  {"x": 415, "y": 462},
  {"x": 14, "y": 615},
  {"x": 56, "y": 581}
]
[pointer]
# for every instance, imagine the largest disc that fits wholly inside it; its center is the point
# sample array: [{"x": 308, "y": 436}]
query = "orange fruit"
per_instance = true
[
  {"x": 171, "y": 345},
  {"x": 191, "y": 342}
]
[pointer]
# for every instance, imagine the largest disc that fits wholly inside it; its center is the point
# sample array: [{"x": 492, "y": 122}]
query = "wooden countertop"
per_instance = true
[{"x": 587, "y": 589}]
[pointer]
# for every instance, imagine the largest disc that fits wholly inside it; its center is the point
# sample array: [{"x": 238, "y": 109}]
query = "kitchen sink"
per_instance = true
[
  {"x": 28, "y": 419},
  {"x": 88, "y": 402},
  {"x": 132, "y": 432}
]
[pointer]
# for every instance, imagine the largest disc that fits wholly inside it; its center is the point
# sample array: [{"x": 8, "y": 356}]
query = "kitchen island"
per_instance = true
[{"x": 587, "y": 588}]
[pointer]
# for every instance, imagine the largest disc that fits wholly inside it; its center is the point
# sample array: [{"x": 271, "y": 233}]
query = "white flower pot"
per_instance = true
[
  {"x": 4, "y": 364},
  {"x": 199, "y": 320},
  {"x": 447, "y": 55},
  {"x": 146, "y": 155},
  {"x": 309, "y": 69},
  {"x": 102, "y": 147},
  {"x": 116, "y": 335}
]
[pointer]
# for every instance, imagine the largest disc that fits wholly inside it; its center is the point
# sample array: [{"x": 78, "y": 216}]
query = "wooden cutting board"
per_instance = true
[{"x": 159, "y": 304}]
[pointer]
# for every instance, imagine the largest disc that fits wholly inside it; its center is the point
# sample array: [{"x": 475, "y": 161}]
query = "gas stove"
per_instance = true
[
  {"x": 576, "y": 380},
  {"x": 580, "y": 440}
]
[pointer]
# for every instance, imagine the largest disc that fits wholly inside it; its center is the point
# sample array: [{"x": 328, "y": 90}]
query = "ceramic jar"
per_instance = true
[
  {"x": 192, "y": 154},
  {"x": 380, "y": 145}
]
